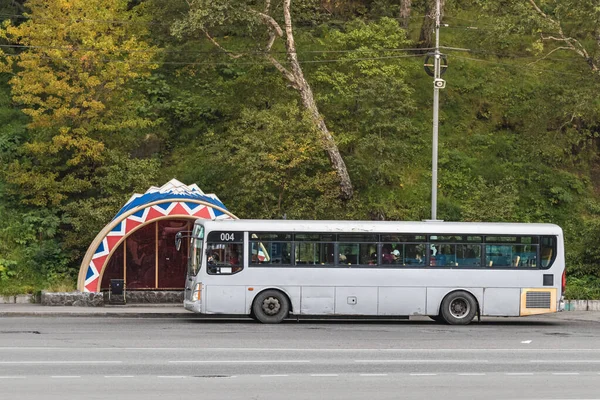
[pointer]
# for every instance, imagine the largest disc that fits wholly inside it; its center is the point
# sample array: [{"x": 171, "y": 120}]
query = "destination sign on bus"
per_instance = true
[{"x": 225, "y": 237}]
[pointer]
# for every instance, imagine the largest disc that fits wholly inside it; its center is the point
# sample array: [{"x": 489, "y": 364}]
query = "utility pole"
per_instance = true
[{"x": 438, "y": 83}]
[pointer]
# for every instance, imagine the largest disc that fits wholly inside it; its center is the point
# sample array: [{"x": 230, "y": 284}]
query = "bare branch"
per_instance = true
[
  {"x": 547, "y": 55},
  {"x": 288, "y": 75},
  {"x": 275, "y": 30},
  {"x": 561, "y": 39},
  {"x": 271, "y": 41},
  {"x": 573, "y": 116},
  {"x": 229, "y": 53},
  {"x": 267, "y": 19},
  {"x": 539, "y": 10},
  {"x": 577, "y": 47},
  {"x": 290, "y": 44}
]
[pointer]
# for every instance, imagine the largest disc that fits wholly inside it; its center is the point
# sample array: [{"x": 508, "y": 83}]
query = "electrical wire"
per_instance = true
[
  {"x": 215, "y": 51},
  {"x": 263, "y": 62}
]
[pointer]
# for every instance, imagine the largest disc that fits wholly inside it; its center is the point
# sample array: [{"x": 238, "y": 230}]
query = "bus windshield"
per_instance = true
[{"x": 196, "y": 250}]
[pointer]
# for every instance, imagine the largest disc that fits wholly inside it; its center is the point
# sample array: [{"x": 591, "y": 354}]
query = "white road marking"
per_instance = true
[
  {"x": 60, "y": 362},
  {"x": 272, "y": 376},
  {"x": 171, "y": 376},
  {"x": 118, "y": 376},
  {"x": 324, "y": 375},
  {"x": 65, "y": 376},
  {"x": 424, "y": 361},
  {"x": 526, "y": 341},
  {"x": 373, "y": 374},
  {"x": 423, "y": 374},
  {"x": 260, "y": 349},
  {"x": 519, "y": 373},
  {"x": 564, "y": 361},
  {"x": 238, "y": 361},
  {"x": 12, "y": 377}
]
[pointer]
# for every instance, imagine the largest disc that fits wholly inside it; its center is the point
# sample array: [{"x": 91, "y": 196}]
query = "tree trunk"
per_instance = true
[
  {"x": 405, "y": 6},
  {"x": 426, "y": 36},
  {"x": 308, "y": 101},
  {"x": 296, "y": 78}
]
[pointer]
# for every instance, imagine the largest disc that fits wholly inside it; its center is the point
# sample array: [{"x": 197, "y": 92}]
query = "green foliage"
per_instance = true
[
  {"x": 266, "y": 164},
  {"x": 585, "y": 288},
  {"x": 94, "y": 112},
  {"x": 76, "y": 148}
]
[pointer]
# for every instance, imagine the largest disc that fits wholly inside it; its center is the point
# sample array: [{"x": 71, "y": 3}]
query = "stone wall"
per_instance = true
[
  {"x": 76, "y": 299},
  {"x": 152, "y": 297},
  {"x": 79, "y": 299}
]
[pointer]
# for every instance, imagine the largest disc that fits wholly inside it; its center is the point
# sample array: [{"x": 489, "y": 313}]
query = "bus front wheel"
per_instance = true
[
  {"x": 271, "y": 307},
  {"x": 459, "y": 308}
]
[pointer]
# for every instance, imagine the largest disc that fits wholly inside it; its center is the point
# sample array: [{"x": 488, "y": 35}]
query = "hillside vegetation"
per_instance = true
[{"x": 327, "y": 117}]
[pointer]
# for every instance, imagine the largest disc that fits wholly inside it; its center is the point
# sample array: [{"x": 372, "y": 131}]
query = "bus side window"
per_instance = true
[{"x": 547, "y": 251}]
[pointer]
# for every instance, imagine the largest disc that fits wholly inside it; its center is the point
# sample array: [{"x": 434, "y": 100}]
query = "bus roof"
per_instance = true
[{"x": 415, "y": 227}]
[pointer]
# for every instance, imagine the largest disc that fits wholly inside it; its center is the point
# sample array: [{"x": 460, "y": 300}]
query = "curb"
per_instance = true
[
  {"x": 111, "y": 314},
  {"x": 582, "y": 305},
  {"x": 17, "y": 299}
]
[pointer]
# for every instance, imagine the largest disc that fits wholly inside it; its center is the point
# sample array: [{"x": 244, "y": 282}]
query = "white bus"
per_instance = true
[{"x": 450, "y": 271}]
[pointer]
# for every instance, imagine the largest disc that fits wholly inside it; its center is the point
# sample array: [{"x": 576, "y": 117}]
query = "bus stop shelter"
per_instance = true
[{"x": 138, "y": 245}]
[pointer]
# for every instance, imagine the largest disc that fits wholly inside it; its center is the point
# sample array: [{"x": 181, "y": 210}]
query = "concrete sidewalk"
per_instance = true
[{"x": 130, "y": 311}]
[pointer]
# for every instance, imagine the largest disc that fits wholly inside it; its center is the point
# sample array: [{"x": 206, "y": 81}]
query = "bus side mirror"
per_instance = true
[{"x": 178, "y": 237}]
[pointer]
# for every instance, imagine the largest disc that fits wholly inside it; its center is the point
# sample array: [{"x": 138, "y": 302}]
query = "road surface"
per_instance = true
[{"x": 548, "y": 357}]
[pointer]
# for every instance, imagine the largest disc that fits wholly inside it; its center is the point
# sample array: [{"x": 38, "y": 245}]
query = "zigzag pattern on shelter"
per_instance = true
[{"x": 174, "y": 199}]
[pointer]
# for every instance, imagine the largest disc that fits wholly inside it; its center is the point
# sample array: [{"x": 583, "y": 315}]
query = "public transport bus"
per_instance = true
[{"x": 449, "y": 271}]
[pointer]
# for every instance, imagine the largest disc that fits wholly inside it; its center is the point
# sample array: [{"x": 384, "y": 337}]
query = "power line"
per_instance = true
[
  {"x": 134, "y": 22},
  {"x": 105, "y": 21},
  {"x": 503, "y": 55},
  {"x": 524, "y": 67},
  {"x": 264, "y": 62},
  {"x": 214, "y": 51}
]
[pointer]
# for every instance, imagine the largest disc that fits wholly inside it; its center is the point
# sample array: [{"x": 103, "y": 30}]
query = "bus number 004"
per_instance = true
[{"x": 227, "y": 237}]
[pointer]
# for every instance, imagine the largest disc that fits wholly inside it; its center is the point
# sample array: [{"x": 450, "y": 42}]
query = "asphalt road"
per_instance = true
[{"x": 550, "y": 357}]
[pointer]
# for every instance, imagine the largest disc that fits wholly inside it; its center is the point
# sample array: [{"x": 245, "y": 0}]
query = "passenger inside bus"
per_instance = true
[
  {"x": 373, "y": 259},
  {"x": 387, "y": 257},
  {"x": 233, "y": 259}
]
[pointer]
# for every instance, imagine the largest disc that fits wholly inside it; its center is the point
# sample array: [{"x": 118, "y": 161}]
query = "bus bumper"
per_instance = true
[{"x": 194, "y": 306}]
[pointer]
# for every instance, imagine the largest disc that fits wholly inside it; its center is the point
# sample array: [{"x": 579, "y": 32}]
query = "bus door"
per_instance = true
[
  {"x": 194, "y": 259},
  {"x": 224, "y": 258}
]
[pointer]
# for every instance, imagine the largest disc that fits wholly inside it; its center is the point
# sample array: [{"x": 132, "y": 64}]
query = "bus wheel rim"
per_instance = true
[
  {"x": 271, "y": 305},
  {"x": 459, "y": 307}
]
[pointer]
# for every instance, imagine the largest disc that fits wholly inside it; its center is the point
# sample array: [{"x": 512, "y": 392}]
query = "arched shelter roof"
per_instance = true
[{"x": 172, "y": 200}]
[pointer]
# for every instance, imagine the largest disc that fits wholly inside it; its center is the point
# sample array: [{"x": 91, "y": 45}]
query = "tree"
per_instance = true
[
  {"x": 208, "y": 17},
  {"x": 428, "y": 26},
  {"x": 572, "y": 26},
  {"x": 72, "y": 78},
  {"x": 73, "y": 75},
  {"x": 266, "y": 164},
  {"x": 405, "y": 8}
]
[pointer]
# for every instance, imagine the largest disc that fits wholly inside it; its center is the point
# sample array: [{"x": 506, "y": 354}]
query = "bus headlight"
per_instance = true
[{"x": 197, "y": 293}]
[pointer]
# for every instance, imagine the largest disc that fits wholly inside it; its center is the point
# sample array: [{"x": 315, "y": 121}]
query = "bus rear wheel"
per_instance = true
[
  {"x": 459, "y": 308},
  {"x": 271, "y": 307}
]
